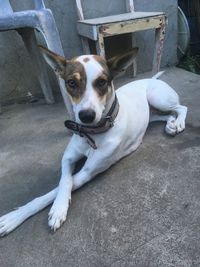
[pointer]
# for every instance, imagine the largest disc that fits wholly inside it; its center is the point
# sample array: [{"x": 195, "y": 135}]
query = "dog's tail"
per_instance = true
[{"x": 157, "y": 75}]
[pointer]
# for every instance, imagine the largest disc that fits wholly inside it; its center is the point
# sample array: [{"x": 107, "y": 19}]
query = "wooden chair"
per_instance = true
[{"x": 97, "y": 29}]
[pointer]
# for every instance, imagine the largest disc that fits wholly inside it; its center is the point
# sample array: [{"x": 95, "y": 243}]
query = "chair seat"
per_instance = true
[
  {"x": 119, "y": 24},
  {"x": 120, "y": 18}
]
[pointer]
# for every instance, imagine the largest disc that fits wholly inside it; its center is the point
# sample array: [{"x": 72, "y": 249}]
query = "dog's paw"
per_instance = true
[
  {"x": 57, "y": 216},
  {"x": 175, "y": 126},
  {"x": 170, "y": 128},
  {"x": 180, "y": 125},
  {"x": 10, "y": 221}
]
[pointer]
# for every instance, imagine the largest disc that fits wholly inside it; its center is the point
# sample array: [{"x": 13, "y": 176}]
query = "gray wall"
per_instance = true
[{"x": 17, "y": 75}]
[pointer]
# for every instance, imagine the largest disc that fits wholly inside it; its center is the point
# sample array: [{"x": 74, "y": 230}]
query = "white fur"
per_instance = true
[{"x": 125, "y": 137}]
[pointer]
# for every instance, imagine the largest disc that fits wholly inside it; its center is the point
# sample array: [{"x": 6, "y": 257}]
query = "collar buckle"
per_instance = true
[{"x": 110, "y": 120}]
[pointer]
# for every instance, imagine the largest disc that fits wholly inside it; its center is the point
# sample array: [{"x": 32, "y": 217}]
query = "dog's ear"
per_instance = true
[
  {"x": 56, "y": 62},
  {"x": 120, "y": 63}
]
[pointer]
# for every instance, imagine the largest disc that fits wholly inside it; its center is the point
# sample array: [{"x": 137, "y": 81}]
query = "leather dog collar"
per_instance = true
[{"x": 103, "y": 125}]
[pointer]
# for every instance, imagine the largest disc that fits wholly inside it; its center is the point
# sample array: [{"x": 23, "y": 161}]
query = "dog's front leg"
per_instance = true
[
  {"x": 97, "y": 162},
  {"x": 58, "y": 212}
]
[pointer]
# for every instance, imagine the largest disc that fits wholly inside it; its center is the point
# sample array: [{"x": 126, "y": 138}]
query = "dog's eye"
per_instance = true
[
  {"x": 72, "y": 83},
  {"x": 101, "y": 82}
]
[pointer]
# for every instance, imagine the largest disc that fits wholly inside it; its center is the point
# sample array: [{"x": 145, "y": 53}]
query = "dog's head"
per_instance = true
[{"x": 88, "y": 81}]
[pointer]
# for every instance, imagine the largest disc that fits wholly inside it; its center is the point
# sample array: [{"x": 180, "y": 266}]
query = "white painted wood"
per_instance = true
[
  {"x": 159, "y": 41},
  {"x": 122, "y": 17},
  {"x": 79, "y": 9},
  {"x": 87, "y": 30},
  {"x": 85, "y": 45},
  {"x": 100, "y": 46},
  {"x": 91, "y": 31},
  {"x": 130, "y": 6}
]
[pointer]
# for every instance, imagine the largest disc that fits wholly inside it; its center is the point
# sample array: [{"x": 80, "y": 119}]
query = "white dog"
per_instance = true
[{"x": 108, "y": 125}]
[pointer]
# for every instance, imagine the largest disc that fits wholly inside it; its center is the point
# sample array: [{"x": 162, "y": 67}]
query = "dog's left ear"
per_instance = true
[
  {"x": 120, "y": 63},
  {"x": 56, "y": 62}
]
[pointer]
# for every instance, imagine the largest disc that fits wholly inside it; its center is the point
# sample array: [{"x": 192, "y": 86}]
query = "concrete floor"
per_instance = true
[{"x": 144, "y": 211}]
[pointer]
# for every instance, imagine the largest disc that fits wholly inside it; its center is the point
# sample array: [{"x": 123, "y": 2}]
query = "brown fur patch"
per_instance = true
[
  {"x": 102, "y": 85},
  {"x": 101, "y": 61},
  {"x": 75, "y": 71},
  {"x": 86, "y": 59},
  {"x": 77, "y": 76},
  {"x": 104, "y": 65},
  {"x": 104, "y": 91},
  {"x": 76, "y": 100}
]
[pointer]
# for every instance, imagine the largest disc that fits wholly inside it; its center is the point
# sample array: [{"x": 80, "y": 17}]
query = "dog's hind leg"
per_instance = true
[
  {"x": 163, "y": 98},
  {"x": 13, "y": 219}
]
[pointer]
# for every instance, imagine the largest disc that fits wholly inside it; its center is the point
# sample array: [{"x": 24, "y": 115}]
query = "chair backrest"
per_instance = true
[
  {"x": 39, "y": 4},
  {"x": 129, "y": 8},
  {"x": 6, "y": 8}
]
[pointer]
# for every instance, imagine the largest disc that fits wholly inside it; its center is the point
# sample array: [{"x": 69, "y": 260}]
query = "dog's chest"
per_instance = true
[{"x": 129, "y": 126}]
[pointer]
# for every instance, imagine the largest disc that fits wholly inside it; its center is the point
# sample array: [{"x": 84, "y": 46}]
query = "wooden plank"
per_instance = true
[
  {"x": 159, "y": 40},
  {"x": 130, "y": 26},
  {"x": 122, "y": 17},
  {"x": 100, "y": 46}
]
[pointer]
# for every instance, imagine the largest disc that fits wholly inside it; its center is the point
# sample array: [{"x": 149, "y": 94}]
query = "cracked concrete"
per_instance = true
[{"x": 144, "y": 211}]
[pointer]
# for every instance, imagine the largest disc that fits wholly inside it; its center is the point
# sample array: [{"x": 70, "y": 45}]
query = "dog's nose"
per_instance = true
[{"x": 87, "y": 116}]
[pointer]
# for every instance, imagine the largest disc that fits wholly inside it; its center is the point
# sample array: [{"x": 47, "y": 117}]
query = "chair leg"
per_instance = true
[
  {"x": 50, "y": 33},
  {"x": 134, "y": 66},
  {"x": 159, "y": 40},
  {"x": 100, "y": 46},
  {"x": 85, "y": 45},
  {"x": 29, "y": 39}
]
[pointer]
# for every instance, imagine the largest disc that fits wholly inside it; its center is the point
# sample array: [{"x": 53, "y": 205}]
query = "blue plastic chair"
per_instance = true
[{"x": 25, "y": 23}]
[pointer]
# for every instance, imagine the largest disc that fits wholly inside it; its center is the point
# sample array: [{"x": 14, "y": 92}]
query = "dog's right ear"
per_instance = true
[
  {"x": 121, "y": 62},
  {"x": 56, "y": 62}
]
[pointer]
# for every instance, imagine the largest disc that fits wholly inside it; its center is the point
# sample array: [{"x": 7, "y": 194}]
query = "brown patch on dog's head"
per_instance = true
[
  {"x": 103, "y": 84},
  {"x": 102, "y": 62},
  {"x": 86, "y": 59},
  {"x": 75, "y": 80}
]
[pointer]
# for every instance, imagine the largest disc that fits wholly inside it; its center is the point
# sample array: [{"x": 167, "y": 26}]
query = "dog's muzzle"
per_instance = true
[
  {"x": 87, "y": 116},
  {"x": 102, "y": 126}
]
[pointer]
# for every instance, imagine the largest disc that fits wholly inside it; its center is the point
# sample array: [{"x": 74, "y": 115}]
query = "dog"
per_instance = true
[{"x": 108, "y": 125}]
